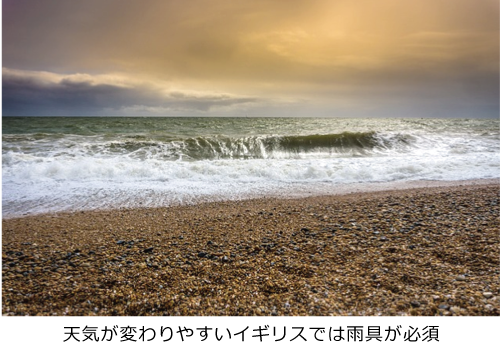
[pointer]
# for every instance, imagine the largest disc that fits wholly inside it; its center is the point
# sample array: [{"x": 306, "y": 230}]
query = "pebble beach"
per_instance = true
[{"x": 426, "y": 251}]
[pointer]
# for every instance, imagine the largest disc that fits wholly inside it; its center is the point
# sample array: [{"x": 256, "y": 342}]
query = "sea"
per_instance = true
[{"x": 58, "y": 164}]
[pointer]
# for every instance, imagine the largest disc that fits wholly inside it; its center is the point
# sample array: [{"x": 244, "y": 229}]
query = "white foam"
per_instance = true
[
  {"x": 91, "y": 172},
  {"x": 70, "y": 183}
]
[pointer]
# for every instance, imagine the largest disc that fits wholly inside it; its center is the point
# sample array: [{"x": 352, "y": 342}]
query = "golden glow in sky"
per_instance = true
[{"x": 436, "y": 58}]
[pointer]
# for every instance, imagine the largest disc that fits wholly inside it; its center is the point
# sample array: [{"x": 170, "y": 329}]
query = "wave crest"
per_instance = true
[
  {"x": 269, "y": 147},
  {"x": 351, "y": 144}
]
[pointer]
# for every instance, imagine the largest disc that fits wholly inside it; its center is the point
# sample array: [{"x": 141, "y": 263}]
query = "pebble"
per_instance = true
[
  {"x": 414, "y": 303},
  {"x": 252, "y": 270},
  {"x": 488, "y": 295},
  {"x": 460, "y": 278}
]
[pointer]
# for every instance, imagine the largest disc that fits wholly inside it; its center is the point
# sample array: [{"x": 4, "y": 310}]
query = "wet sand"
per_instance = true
[{"x": 420, "y": 251}]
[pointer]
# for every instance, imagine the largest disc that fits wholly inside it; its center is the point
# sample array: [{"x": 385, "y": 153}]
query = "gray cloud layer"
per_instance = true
[
  {"x": 293, "y": 57},
  {"x": 29, "y": 94}
]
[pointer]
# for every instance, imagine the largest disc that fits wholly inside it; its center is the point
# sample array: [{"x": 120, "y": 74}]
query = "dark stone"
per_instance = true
[
  {"x": 202, "y": 255},
  {"x": 121, "y": 242},
  {"x": 148, "y": 250},
  {"x": 414, "y": 303},
  {"x": 304, "y": 229}
]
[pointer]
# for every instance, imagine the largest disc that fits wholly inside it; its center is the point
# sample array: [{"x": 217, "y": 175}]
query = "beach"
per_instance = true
[
  {"x": 416, "y": 251},
  {"x": 251, "y": 158}
]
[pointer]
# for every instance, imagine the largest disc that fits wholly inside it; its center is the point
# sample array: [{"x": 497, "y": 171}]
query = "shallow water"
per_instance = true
[{"x": 59, "y": 164}]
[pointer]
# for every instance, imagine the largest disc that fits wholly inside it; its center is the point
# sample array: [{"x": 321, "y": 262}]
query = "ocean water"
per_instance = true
[{"x": 64, "y": 164}]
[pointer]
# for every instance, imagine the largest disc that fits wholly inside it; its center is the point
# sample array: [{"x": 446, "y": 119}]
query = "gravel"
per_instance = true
[{"x": 428, "y": 251}]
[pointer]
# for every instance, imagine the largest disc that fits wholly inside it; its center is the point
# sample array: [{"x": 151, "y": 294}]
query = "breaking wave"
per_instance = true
[
  {"x": 269, "y": 147},
  {"x": 223, "y": 147},
  {"x": 49, "y": 165}
]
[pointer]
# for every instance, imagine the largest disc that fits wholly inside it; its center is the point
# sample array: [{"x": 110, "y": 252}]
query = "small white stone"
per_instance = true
[{"x": 487, "y": 295}]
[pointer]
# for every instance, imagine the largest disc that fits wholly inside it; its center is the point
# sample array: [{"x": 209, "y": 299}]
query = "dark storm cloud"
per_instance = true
[{"x": 26, "y": 94}]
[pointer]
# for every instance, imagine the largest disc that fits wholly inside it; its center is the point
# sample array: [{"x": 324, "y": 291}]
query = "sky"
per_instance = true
[{"x": 300, "y": 58}]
